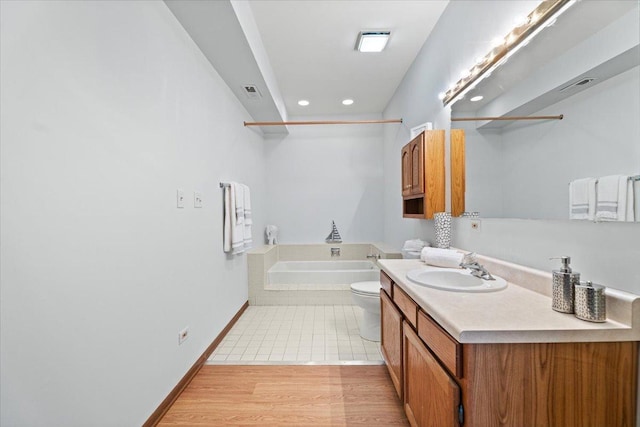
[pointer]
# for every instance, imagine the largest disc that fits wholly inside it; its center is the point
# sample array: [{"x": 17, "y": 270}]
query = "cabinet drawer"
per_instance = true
[
  {"x": 445, "y": 347},
  {"x": 386, "y": 283},
  {"x": 406, "y": 305}
]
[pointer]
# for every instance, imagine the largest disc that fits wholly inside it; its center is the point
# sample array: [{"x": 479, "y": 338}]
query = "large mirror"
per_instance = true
[{"x": 585, "y": 67}]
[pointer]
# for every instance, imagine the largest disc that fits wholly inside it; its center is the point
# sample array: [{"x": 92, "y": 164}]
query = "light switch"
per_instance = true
[
  {"x": 180, "y": 198},
  {"x": 197, "y": 199}
]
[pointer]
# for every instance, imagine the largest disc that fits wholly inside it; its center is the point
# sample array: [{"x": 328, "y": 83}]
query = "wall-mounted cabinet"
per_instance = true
[
  {"x": 458, "y": 182},
  {"x": 423, "y": 175}
]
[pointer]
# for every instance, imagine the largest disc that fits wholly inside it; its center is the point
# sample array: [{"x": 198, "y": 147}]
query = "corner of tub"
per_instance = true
[{"x": 385, "y": 251}]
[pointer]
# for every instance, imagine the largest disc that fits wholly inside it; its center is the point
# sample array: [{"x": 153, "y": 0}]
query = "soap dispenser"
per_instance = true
[{"x": 564, "y": 283}]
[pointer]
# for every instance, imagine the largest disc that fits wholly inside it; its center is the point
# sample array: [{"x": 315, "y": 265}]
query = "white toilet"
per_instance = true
[{"x": 367, "y": 296}]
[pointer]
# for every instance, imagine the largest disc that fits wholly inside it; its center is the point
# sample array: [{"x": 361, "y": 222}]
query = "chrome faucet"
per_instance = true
[
  {"x": 335, "y": 252},
  {"x": 374, "y": 256},
  {"x": 477, "y": 270}
]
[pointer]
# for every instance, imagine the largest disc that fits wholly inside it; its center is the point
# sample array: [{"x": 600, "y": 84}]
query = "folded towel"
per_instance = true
[
  {"x": 248, "y": 221},
  {"x": 237, "y": 218},
  {"x": 582, "y": 199},
  {"x": 442, "y": 257},
  {"x": 631, "y": 201},
  {"x": 612, "y": 193},
  {"x": 414, "y": 245},
  {"x": 228, "y": 211},
  {"x": 636, "y": 198}
]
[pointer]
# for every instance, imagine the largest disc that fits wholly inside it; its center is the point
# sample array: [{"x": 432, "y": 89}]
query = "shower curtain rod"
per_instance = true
[
  {"x": 471, "y": 119},
  {"x": 328, "y": 122}
]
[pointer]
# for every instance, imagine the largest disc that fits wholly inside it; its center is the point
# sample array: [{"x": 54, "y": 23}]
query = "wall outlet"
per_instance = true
[
  {"x": 183, "y": 335},
  {"x": 475, "y": 224}
]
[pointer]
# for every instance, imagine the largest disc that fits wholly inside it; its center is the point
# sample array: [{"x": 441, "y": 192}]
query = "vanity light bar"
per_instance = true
[{"x": 536, "y": 21}]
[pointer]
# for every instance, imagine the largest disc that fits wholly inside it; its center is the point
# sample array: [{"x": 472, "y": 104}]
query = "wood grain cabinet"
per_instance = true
[
  {"x": 423, "y": 179},
  {"x": 431, "y": 396},
  {"x": 391, "y": 340},
  {"x": 445, "y": 383}
]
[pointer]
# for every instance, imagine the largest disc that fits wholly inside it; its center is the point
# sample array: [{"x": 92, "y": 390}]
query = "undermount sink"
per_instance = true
[{"x": 453, "y": 279}]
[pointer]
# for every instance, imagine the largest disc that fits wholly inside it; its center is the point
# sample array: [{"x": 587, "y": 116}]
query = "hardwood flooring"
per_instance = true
[{"x": 288, "y": 395}]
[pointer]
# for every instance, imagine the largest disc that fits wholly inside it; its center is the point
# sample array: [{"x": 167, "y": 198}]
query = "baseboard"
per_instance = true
[{"x": 184, "y": 382}]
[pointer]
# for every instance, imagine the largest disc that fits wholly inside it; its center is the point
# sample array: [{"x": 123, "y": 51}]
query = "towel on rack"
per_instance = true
[
  {"x": 635, "y": 186},
  {"x": 237, "y": 218},
  {"x": 248, "y": 220},
  {"x": 582, "y": 198},
  {"x": 228, "y": 212},
  {"x": 613, "y": 195}
]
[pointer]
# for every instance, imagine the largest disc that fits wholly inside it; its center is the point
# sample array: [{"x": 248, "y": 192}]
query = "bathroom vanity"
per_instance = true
[{"x": 505, "y": 358}]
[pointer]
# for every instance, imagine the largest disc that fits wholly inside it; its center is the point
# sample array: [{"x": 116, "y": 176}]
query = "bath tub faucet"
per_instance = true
[
  {"x": 374, "y": 256},
  {"x": 335, "y": 252},
  {"x": 478, "y": 270}
]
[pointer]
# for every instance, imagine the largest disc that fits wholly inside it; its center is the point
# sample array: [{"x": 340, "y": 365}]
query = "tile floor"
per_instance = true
[{"x": 322, "y": 334}]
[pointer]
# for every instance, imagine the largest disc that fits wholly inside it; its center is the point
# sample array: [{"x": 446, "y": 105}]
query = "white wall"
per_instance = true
[
  {"x": 318, "y": 174},
  {"x": 107, "y": 108},
  {"x": 604, "y": 253}
]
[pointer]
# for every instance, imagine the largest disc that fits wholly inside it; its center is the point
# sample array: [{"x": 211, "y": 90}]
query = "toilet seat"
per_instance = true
[{"x": 368, "y": 289}]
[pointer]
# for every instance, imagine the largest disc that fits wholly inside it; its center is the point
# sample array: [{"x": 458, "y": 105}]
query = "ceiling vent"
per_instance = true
[
  {"x": 582, "y": 82},
  {"x": 251, "y": 91}
]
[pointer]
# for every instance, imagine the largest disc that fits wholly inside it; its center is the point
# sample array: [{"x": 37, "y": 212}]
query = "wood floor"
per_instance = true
[{"x": 224, "y": 395}]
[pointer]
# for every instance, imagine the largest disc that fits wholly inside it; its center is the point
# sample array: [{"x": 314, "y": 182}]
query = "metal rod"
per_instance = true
[
  {"x": 224, "y": 184},
  {"x": 328, "y": 122},
  {"x": 471, "y": 119}
]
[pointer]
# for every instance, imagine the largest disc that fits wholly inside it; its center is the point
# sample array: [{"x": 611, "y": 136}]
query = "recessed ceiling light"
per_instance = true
[
  {"x": 476, "y": 98},
  {"x": 372, "y": 41},
  {"x": 347, "y": 101},
  {"x": 303, "y": 102}
]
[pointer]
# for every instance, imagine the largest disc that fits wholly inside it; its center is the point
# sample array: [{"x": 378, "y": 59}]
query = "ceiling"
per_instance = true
[
  {"x": 310, "y": 46},
  {"x": 304, "y": 49}
]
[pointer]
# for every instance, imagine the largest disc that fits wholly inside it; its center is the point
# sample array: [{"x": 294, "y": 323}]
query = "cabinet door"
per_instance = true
[
  {"x": 391, "y": 340},
  {"x": 406, "y": 170},
  {"x": 431, "y": 397},
  {"x": 417, "y": 165}
]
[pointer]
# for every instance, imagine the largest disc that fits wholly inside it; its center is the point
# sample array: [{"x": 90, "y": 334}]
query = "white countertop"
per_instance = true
[{"x": 515, "y": 314}]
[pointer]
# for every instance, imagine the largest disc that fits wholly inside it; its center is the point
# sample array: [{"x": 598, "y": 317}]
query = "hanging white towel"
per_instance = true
[
  {"x": 635, "y": 185},
  {"x": 228, "y": 212},
  {"x": 612, "y": 194},
  {"x": 237, "y": 218},
  {"x": 248, "y": 220},
  {"x": 582, "y": 199},
  {"x": 631, "y": 201}
]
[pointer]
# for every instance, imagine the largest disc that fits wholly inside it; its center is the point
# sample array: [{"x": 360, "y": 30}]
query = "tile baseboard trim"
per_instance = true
[{"x": 157, "y": 415}]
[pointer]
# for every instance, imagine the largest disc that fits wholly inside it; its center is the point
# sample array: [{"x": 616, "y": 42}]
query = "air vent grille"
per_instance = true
[{"x": 251, "y": 91}]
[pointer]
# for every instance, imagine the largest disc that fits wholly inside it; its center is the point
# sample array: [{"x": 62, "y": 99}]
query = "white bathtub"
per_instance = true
[{"x": 321, "y": 272}]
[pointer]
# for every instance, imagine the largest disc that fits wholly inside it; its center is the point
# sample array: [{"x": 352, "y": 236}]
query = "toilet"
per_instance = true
[{"x": 367, "y": 296}]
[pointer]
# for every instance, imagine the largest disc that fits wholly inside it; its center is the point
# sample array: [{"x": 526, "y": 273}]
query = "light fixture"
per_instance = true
[
  {"x": 303, "y": 102},
  {"x": 501, "y": 49},
  {"x": 372, "y": 41},
  {"x": 476, "y": 98},
  {"x": 347, "y": 101}
]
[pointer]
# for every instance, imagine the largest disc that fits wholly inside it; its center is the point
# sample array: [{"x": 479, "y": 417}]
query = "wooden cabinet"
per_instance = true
[
  {"x": 445, "y": 383},
  {"x": 431, "y": 396},
  {"x": 423, "y": 176},
  {"x": 413, "y": 167},
  {"x": 391, "y": 340},
  {"x": 458, "y": 171}
]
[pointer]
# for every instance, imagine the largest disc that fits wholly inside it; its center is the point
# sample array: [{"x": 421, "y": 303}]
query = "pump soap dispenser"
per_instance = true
[{"x": 564, "y": 283}]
